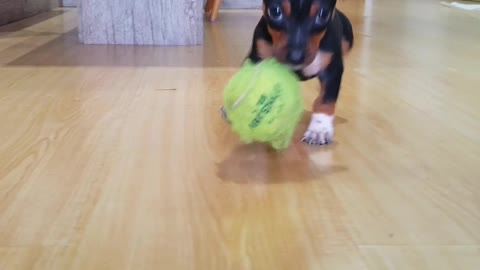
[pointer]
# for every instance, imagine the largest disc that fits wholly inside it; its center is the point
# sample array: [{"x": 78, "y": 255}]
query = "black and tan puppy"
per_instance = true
[{"x": 311, "y": 37}]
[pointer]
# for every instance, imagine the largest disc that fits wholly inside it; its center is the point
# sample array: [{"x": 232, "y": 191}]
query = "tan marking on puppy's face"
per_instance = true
[
  {"x": 278, "y": 47},
  {"x": 314, "y": 9},
  {"x": 264, "y": 49},
  {"x": 313, "y": 46},
  {"x": 287, "y": 8},
  {"x": 279, "y": 44},
  {"x": 313, "y": 43},
  {"x": 295, "y": 26}
]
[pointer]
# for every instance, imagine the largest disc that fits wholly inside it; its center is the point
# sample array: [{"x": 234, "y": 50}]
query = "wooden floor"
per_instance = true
[{"x": 116, "y": 157}]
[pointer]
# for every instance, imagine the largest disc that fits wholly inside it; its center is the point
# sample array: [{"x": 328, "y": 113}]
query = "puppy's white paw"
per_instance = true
[{"x": 320, "y": 131}]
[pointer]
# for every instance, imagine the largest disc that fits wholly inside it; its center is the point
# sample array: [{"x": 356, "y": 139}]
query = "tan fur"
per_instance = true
[
  {"x": 264, "y": 49},
  {"x": 320, "y": 107},
  {"x": 279, "y": 45}
]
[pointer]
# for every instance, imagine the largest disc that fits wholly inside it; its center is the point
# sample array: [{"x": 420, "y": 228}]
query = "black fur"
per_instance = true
[{"x": 298, "y": 27}]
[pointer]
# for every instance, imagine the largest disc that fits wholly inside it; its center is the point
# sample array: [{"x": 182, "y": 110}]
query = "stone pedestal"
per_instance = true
[{"x": 141, "y": 22}]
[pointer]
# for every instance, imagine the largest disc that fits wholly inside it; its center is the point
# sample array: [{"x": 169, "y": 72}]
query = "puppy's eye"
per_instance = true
[
  {"x": 322, "y": 17},
  {"x": 275, "y": 13}
]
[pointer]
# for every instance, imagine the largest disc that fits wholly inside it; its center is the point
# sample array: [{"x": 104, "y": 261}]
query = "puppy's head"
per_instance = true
[{"x": 296, "y": 28}]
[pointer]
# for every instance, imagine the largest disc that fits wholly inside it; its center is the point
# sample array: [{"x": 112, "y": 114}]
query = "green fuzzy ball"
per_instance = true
[{"x": 263, "y": 103}]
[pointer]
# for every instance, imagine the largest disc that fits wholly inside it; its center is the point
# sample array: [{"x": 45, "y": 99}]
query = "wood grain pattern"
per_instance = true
[
  {"x": 147, "y": 22},
  {"x": 423, "y": 257},
  {"x": 116, "y": 157}
]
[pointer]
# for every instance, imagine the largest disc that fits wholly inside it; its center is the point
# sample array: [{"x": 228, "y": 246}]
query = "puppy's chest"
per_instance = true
[{"x": 318, "y": 65}]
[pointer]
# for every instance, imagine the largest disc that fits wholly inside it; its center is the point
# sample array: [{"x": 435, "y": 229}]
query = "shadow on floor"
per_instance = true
[
  {"x": 259, "y": 164},
  {"x": 28, "y": 22}
]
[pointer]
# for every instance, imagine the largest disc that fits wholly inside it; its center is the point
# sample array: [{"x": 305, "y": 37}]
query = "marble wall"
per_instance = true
[
  {"x": 230, "y": 4},
  {"x": 147, "y": 22}
]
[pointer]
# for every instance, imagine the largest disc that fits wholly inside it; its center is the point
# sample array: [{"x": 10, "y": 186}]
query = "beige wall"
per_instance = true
[{"x": 13, "y": 10}]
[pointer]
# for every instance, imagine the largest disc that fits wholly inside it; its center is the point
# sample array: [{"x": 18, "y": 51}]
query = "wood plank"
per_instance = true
[{"x": 422, "y": 257}]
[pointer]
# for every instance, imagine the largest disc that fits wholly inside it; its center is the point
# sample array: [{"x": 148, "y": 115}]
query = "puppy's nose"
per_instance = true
[{"x": 296, "y": 57}]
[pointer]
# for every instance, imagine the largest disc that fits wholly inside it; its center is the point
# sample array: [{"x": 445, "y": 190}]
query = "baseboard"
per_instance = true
[
  {"x": 68, "y": 3},
  {"x": 242, "y": 4}
]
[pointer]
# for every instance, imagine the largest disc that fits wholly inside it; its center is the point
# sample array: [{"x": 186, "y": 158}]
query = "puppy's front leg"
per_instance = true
[{"x": 320, "y": 130}]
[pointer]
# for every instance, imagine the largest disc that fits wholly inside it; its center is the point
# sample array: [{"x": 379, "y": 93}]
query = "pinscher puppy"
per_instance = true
[{"x": 311, "y": 37}]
